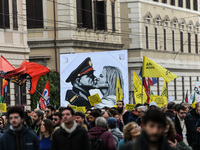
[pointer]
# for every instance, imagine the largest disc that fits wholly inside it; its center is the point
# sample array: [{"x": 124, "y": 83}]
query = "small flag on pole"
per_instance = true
[
  {"x": 119, "y": 93},
  {"x": 45, "y": 98}
]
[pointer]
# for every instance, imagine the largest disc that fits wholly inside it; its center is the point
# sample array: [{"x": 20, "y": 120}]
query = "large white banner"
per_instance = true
[
  {"x": 85, "y": 74},
  {"x": 197, "y": 91}
]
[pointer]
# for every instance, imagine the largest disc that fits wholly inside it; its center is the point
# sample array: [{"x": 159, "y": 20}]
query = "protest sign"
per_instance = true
[
  {"x": 81, "y": 109},
  {"x": 94, "y": 99},
  {"x": 130, "y": 107},
  {"x": 3, "y": 107}
]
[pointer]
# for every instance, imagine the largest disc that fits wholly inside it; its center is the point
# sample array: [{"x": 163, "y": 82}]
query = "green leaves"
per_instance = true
[{"x": 54, "y": 84}]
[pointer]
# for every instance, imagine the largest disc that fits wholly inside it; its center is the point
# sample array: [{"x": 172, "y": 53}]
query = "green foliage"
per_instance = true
[{"x": 54, "y": 84}]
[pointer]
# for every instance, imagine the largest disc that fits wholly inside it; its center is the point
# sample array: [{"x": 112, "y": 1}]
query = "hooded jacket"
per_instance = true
[
  {"x": 24, "y": 139},
  {"x": 75, "y": 138},
  {"x": 117, "y": 135},
  {"x": 107, "y": 137}
]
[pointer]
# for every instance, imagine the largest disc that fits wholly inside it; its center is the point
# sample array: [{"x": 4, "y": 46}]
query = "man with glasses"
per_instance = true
[
  {"x": 56, "y": 119},
  {"x": 18, "y": 136},
  {"x": 140, "y": 111},
  {"x": 49, "y": 112},
  {"x": 184, "y": 126}
]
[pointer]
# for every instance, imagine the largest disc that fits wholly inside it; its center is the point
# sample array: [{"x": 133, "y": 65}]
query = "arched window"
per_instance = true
[{"x": 147, "y": 19}]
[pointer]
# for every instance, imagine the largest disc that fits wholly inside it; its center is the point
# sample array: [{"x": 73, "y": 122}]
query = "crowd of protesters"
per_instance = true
[{"x": 147, "y": 127}]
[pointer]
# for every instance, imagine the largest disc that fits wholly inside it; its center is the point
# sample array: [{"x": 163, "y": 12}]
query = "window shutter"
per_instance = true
[
  {"x": 15, "y": 21},
  {"x": 87, "y": 14},
  {"x": 79, "y": 13},
  {"x": 101, "y": 19},
  {"x": 16, "y": 94},
  {"x": 113, "y": 16},
  {"x": 23, "y": 95},
  {"x": 6, "y": 14},
  {"x": 34, "y": 9},
  {"x": 105, "y": 15}
]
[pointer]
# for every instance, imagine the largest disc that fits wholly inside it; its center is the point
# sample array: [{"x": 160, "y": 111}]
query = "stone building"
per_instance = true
[
  {"x": 13, "y": 46},
  {"x": 166, "y": 31},
  {"x": 72, "y": 26}
]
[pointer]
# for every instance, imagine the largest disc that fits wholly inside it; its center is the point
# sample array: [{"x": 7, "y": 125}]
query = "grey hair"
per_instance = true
[
  {"x": 112, "y": 73},
  {"x": 101, "y": 122},
  {"x": 144, "y": 108}
]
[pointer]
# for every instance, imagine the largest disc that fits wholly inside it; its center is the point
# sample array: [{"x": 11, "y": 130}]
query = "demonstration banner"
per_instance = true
[
  {"x": 197, "y": 91},
  {"x": 160, "y": 100},
  {"x": 152, "y": 69},
  {"x": 94, "y": 99},
  {"x": 86, "y": 74},
  {"x": 130, "y": 107}
]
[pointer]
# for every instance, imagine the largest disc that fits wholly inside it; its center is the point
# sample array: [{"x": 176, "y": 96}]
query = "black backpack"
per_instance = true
[{"x": 96, "y": 143}]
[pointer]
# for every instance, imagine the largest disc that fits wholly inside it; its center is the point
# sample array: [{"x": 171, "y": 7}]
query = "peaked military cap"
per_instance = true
[{"x": 84, "y": 68}]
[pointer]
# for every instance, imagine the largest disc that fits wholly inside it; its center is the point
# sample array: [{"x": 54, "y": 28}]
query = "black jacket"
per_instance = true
[
  {"x": 193, "y": 116},
  {"x": 125, "y": 117},
  {"x": 25, "y": 139},
  {"x": 77, "y": 140},
  {"x": 142, "y": 144},
  {"x": 169, "y": 113},
  {"x": 191, "y": 130}
]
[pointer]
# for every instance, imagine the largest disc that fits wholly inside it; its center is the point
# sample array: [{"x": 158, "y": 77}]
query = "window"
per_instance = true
[
  {"x": 195, "y": 5},
  {"x": 147, "y": 37},
  {"x": 180, "y": 3},
  {"x": 20, "y": 95},
  {"x": 164, "y": 1},
  {"x": 84, "y": 14},
  {"x": 34, "y": 11},
  {"x": 113, "y": 16},
  {"x": 14, "y": 7},
  {"x": 181, "y": 41},
  {"x": 173, "y": 2},
  {"x": 175, "y": 89},
  {"x": 188, "y": 4},
  {"x": 165, "y": 39},
  {"x": 197, "y": 78},
  {"x": 173, "y": 41},
  {"x": 100, "y": 15},
  {"x": 155, "y": 0},
  {"x": 196, "y": 44},
  {"x": 189, "y": 43},
  {"x": 4, "y": 14},
  {"x": 156, "y": 38}
]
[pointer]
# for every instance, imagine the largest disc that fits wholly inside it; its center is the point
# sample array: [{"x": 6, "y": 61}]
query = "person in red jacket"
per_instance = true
[{"x": 100, "y": 130}]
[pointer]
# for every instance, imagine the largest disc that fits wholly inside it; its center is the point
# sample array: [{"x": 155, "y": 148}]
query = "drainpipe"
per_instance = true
[{"x": 55, "y": 44}]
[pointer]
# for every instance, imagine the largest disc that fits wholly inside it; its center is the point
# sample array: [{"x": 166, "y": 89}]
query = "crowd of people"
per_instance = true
[{"x": 147, "y": 127}]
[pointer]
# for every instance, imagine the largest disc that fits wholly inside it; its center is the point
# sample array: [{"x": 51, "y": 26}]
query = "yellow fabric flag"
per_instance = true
[
  {"x": 119, "y": 93},
  {"x": 139, "y": 93},
  {"x": 160, "y": 100},
  {"x": 152, "y": 69},
  {"x": 164, "y": 89}
]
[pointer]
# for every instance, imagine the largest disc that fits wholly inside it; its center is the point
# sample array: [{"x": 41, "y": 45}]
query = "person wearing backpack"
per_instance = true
[
  {"x": 112, "y": 127},
  {"x": 100, "y": 138}
]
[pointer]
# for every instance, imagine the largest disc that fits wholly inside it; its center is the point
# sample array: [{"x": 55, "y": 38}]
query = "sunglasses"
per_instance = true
[{"x": 55, "y": 119}]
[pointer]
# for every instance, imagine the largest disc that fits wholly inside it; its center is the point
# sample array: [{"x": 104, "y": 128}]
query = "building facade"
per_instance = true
[
  {"x": 13, "y": 46},
  {"x": 73, "y": 26},
  {"x": 166, "y": 31}
]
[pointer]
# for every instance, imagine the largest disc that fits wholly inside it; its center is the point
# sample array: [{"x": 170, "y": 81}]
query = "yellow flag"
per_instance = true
[
  {"x": 139, "y": 93},
  {"x": 160, "y": 100},
  {"x": 119, "y": 93},
  {"x": 152, "y": 69},
  {"x": 164, "y": 89},
  {"x": 3, "y": 107}
]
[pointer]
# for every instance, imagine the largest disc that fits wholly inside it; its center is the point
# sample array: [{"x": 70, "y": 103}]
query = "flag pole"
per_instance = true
[{"x": 40, "y": 95}]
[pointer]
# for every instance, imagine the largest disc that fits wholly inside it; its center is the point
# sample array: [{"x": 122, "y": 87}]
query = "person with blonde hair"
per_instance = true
[{"x": 131, "y": 132}]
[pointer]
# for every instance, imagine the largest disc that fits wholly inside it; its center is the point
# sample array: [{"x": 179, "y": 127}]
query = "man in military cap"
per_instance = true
[{"x": 82, "y": 80}]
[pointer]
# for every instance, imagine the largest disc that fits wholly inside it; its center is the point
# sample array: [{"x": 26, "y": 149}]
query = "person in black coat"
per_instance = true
[
  {"x": 70, "y": 136},
  {"x": 18, "y": 136},
  {"x": 194, "y": 114},
  {"x": 191, "y": 133},
  {"x": 170, "y": 112},
  {"x": 154, "y": 123}
]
